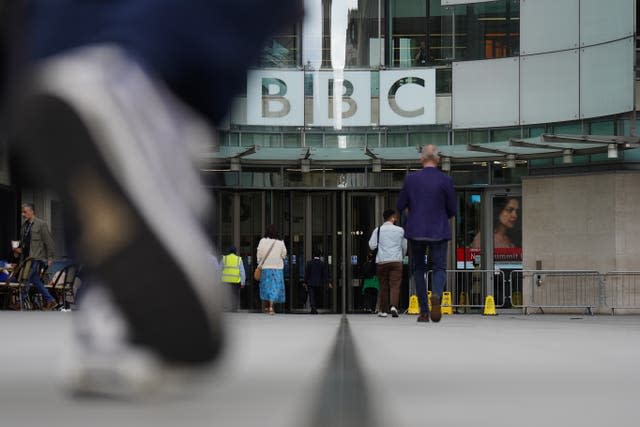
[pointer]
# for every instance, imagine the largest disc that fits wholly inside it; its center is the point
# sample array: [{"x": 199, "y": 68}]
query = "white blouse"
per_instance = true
[{"x": 276, "y": 256}]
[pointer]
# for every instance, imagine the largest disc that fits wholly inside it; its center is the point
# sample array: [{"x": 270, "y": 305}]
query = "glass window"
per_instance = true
[
  {"x": 408, "y": 23},
  {"x": 470, "y": 174},
  {"x": 502, "y": 175},
  {"x": 261, "y": 139},
  {"x": 345, "y": 178},
  {"x": 228, "y": 139},
  {"x": 296, "y": 178},
  {"x": 308, "y": 85},
  {"x": 345, "y": 141},
  {"x": 230, "y": 179},
  {"x": 292, "y": 140},
  {"x": 541, "y": 163},
  {"x": 532, "y": 132},
  {"x": 478, "y": 136},
  {"x": 387, "y": 179},
  {"x": 420, "y": 139},
  {"x": 602, "y": 128},
  {"x": 488, "y": 30},
  {"x": 504, "y": 134},
  {"x": 313, "y": 140},
  {"x": 225, "y": 215},
  {"x": 577, "y": 160},
  {"x": 440, "y": 35},
  {"x": 374, "y": 139},
  {"x": 443, "y": 80},
  {"x": 422, "y": 33},
  {"x": 260, "y": 178},
  {"x": 468, "y": 223},
  {"x": 363, "y": 47},
  {"x": 460, "y": 137},
  {"x": 223, "y": 139},
  {"x": 632, "y": 155},
  {"x": 396, "y": 140},
  {"x": 375, "y": 84},
  {"x": 572, "y": 128},
  {"x": 282, "y": 50},
  {"x": 624, "y": 125},
  {"x": 357, "y": 26},
  {"x": 602, "y": 157}
]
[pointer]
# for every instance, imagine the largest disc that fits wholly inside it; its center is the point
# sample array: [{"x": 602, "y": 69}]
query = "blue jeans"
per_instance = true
[
  {"x": 438, "y": 262},
  {"x": 34, "y": 277}
]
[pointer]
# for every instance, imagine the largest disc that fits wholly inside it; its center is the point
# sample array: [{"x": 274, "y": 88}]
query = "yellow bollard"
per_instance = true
[
  {"x": 414, "y": 307},
  {"x": 446, "y": 303},
  {"x": 489, "y": 306},
  {"x": 516, "y": 298},
  {"x": 462, "y": 302},
  {"x": 429, "y": 299}
]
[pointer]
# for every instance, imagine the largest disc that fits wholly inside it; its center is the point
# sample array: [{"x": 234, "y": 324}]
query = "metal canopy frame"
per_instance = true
[{"x": 545, "y": 146}]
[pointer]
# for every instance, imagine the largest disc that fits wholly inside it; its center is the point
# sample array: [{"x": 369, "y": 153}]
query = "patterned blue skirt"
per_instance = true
[{"x": 272, "y": 285}]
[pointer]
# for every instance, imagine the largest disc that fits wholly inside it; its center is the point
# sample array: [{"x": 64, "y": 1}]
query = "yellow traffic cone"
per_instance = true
[
  {"x": 414, "y": 307},
  {"x": 489, "y": 306},
  {"x": 446, "y": 303}
]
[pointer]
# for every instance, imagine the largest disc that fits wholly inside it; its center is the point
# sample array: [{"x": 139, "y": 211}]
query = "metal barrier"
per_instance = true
[
  {"x": 543, "y": 289},
  {"x": 470, "y": 288},
  {"x": 558, "y": 289},
  {"x": 622, "y": 290}
]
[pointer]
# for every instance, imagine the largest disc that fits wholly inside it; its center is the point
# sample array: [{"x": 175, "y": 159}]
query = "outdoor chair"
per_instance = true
[
  {"x": 14, "y": 287},
  {"x": 62, "y": 284}
]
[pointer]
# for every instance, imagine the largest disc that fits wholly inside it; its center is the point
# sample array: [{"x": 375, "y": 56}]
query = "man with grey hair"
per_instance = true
[
  {"x": 36, "y": 242},
  {"x": 430, "y": 201}
]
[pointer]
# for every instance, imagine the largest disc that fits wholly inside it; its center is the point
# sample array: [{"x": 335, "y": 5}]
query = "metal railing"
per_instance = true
[
  {"x": 470, "y": 288},
  {"x": 559, "y": 289},
  {"x": 587, "y": 290},
  {"x": 622, "y": 290}
]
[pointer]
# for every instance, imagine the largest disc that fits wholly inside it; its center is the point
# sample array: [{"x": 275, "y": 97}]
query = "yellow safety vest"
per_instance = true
[{"x": 231, "y": 268}]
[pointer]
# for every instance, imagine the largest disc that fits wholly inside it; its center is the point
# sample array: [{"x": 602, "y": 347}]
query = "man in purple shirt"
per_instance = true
[{"x": 430, "y": 201}]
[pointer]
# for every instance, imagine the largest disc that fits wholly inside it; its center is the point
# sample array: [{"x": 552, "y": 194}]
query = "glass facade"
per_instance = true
[
  {"x": 376, "y": 36},
  {"x": 350, "y": 47}
]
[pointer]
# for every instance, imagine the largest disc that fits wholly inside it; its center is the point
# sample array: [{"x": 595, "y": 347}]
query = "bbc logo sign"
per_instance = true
[{"x": 276, "y": 98}]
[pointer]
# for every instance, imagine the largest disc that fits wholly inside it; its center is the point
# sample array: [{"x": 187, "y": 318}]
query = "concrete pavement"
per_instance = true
[{"x": 504, "y": 370}]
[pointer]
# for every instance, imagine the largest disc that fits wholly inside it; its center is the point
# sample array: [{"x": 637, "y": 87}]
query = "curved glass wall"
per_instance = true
[{"x": 395, "y": 33}]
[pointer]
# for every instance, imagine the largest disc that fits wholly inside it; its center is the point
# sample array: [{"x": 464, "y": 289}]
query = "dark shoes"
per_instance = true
[
  {"x": 393, "y": 311},
  {"x": 436, "y": 312},
  {"x": 424, "y": 317},
  {"x": 51, "y": 305},
  {"x": 314, "y": 311}
]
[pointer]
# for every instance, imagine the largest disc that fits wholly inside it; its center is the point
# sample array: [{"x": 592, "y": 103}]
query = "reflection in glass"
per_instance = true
[
  {"x": 282, "y": 50},
  {"x": 345, "y": 141},
  {"x": 468, "y": 223}
]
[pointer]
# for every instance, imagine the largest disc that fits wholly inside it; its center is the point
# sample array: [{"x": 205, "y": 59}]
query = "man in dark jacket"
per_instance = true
[
  {"x": 430, "y": 200},
  {"x": 36, "y": 242},
  {"x": 316, "y": 277}
]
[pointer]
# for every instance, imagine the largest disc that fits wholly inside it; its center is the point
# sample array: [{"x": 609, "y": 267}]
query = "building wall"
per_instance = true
[{"x": 585, "y": 222}]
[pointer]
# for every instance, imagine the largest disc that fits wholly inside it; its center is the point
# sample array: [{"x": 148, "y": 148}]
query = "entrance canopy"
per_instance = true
[{"x": 545, "y": 146}]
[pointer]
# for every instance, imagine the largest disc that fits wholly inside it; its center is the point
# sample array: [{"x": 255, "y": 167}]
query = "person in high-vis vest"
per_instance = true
[{"x": 233, "y": 278}]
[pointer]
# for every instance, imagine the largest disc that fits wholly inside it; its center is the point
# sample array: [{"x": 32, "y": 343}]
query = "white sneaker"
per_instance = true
[
  {"x": 101, "y": 362},
  {"x": 382, "y": 314},
  {"x": 125, "y": 142},
  {"x": 394, "y": 311}
]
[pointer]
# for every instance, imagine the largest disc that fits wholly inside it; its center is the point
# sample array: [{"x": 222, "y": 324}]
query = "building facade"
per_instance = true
[{"x": 532, "y": 104}]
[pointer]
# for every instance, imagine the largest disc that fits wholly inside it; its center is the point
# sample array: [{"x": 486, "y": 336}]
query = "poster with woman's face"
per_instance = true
[{"x": 507, "y": 232}]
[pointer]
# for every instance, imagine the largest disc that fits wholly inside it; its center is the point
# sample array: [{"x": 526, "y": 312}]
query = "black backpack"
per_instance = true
[{"x": 369, "y": 267}]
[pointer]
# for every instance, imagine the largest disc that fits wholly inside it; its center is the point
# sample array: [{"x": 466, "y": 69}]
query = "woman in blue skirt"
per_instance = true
[{"x": 273, "y": 251}]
